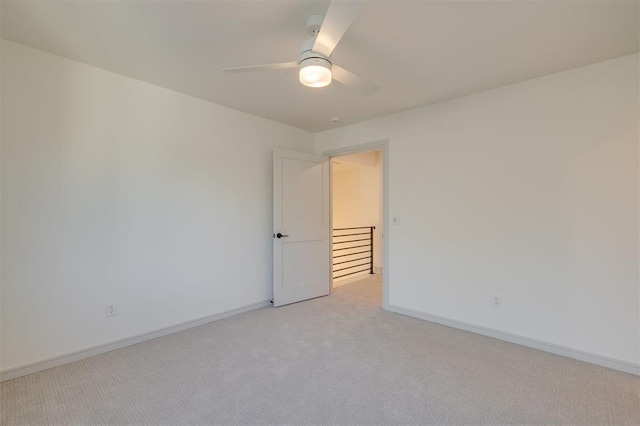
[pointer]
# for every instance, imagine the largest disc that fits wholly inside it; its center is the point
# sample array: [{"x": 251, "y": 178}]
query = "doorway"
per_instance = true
[{"x": 358, "y": 218}]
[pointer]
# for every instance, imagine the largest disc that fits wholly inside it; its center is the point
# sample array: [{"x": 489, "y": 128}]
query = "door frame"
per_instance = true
[{"x": 382, "y": 145}]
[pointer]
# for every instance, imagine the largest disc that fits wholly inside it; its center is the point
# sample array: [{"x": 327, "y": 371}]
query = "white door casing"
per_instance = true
[{"x": 301, "y": 215}]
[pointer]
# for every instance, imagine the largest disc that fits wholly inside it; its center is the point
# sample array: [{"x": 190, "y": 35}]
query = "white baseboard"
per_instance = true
[
  {"x": 603, "y": 361},
  {"x": 35, "y": 367}
]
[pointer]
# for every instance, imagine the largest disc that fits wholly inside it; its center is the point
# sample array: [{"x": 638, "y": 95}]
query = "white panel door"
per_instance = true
[{"x": 301, "y": 233}]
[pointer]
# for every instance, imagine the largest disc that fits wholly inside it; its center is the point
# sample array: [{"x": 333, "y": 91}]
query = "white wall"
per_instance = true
[
  {"x": 529, "y": 191},
  {"x": 118, "y": 190},
  {"x": 357, "y": 195}
]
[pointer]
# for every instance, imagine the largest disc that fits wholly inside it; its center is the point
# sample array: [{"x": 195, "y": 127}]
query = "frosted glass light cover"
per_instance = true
[{"x": 315, "y": 76}]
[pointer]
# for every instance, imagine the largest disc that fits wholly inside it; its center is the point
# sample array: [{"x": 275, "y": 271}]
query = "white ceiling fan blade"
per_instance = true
[
  {"x": 351, "y": 80},
  {"x": 267, "y": 67},
  {"x": 336, "y": 22}
]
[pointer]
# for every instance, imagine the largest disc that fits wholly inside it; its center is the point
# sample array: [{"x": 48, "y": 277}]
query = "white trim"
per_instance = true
[
  {"x": 330, "y": 252},
  {"x": 603, "y": 361},
  {"x": 383, "y": 146},
  {"x": 38, "y": 366}
]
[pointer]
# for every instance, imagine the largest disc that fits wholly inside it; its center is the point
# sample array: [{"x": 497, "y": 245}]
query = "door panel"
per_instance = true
[
  {"x": 301, "y": 194},
  {"x": 301, "y": 215},
  {"x": 305, "y": 255}
]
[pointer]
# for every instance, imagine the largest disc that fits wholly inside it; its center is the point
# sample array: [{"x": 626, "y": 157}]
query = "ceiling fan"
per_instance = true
[{"x": 316, "y": 68}]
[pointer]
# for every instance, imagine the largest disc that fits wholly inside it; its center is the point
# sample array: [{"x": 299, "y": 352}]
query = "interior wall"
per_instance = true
[
  {"x": 115, "y": 190},
  {"x": 529, "y": 191},
  {"x": 357, "y": 195}
]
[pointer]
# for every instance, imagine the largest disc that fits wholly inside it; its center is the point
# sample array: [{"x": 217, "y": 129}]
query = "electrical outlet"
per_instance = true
[
  {"x": 111, "y": 309},
  {"x": 497, "y": 301}
]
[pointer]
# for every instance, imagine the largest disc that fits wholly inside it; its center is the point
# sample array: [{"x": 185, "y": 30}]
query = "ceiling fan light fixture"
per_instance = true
[{"x": 315, "y": 72}]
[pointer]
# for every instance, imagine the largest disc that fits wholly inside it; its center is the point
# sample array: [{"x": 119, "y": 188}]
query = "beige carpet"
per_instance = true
[{"x": 333, "y": 360}]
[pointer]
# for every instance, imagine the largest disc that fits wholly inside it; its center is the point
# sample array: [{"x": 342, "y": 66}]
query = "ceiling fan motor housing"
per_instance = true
[
  {"x": 306, "y": 50},
  {"x": 315, "y": 69},
  {"x": 318, "y": 61}
]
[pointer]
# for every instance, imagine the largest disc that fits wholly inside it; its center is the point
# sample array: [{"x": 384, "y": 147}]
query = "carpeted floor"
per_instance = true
[{"x": 334, "y": 360}]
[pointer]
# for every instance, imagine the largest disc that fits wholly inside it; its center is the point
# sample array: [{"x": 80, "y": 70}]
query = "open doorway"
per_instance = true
[{"x": 357, "y": 209}]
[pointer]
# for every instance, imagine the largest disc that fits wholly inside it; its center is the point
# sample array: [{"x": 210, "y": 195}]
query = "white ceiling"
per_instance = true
[{"x": 418, "y": 52}]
